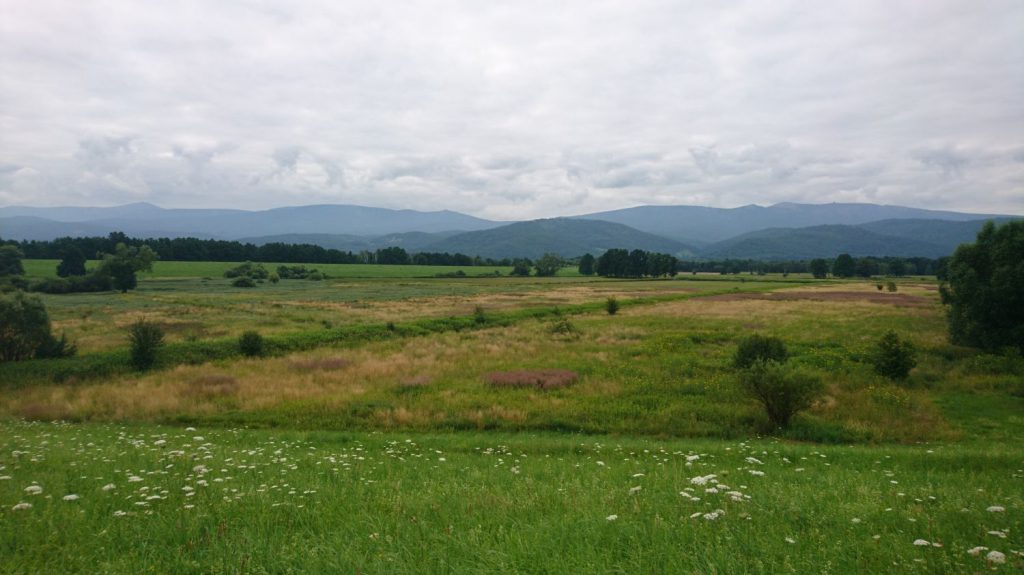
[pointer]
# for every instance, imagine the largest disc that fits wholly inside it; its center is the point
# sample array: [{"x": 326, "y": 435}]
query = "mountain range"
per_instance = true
[{"x": 780, "y": 231}]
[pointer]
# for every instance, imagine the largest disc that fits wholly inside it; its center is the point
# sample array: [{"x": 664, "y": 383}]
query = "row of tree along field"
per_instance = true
[{"x": 193, "y": 250}]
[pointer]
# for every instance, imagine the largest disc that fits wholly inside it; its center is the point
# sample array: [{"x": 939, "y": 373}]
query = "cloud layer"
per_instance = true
[{"x": 526, "y": 109}]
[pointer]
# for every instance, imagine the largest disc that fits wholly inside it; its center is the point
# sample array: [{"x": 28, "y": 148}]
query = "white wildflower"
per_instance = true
[
  {"x": 612, "y": 517},
  {"x": 134, "y": 479},
  {"x": 71, "y": 497},
  {"x": 109, "y": 487},
  {"x": 634, "y": 490},
  {"x": 692, "y": 457},
  {"x": 21, "y": 506},
  {"x": 922, "y": 543},
  {"x": 996, "y": 557},
  {"x": 703, "y": 479},
  {"x": 33, "y": 490},
  {"x": 996, "y": 509},
  {"x": 975, "y": 551},
  {"x": 695, "y": 515},
  {"x": 855, "y": 520},
  {"x": 754, "y": 461},
  {"x": 160, "y": 442},
  {"x": 790, "y": 540},
  {"x": 119, "y": 513},
  {"x": 757, "y": 472},
  {"x": 714, "y": 514}
]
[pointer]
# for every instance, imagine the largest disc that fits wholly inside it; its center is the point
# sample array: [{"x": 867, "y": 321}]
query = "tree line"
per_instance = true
[
  {"x": 208, "y": 250},
  {"x": 844, "y": 265}
]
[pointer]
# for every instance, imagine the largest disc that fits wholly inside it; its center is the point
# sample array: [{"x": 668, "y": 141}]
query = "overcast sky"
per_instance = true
[{"x": 512, "y": 110}]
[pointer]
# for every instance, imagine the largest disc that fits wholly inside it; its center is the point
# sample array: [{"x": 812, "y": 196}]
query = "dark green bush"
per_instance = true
[
  {"x": 24, "y": 326},
  {"x": 315, "y": 276},
  {"x": 890, "y": 286},
  {"x": 145, "y": 339},
  {"x": 251, "y": 344},
  {"x": 51, "y": 347},
  {"x": 248, "y": 269},
  {"x": 478, "y": 315},
  {"x": 244, "y": 282},
  {"x": 893, "y": 357},
  {"x": 758, "y": 347},
  {"x": 783, "y": 392},
  {"x": 611, "y": 305}
]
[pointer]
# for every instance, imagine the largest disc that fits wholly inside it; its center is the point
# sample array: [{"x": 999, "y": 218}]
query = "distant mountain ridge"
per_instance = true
[{"x": 781, "y": 231}]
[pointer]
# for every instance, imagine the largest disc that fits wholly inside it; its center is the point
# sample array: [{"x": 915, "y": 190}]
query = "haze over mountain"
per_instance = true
[
  {"x": 703, "y": 224},
  {"x": 781, "y": 231}
]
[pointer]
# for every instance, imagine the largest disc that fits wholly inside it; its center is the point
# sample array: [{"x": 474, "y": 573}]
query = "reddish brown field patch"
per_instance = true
[
  {"x": 213, "y": 385},
  {"x": 539, "y": 378},
  {"x": 896, "y": 299}
]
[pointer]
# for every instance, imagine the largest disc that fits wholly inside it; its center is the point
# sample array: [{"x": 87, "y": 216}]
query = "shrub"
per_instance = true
[
  {"x": 611, "y": 305},
  {"x": 478, "y": 315},
  {"x": 251, "y": 344},
  {"x": 315, "y": 276},
  {"x": 757, "y": 347},
  {"x": 248, "y": 269},
  {"x": 145, "y": 339},
  {"x": 563, "y": 327},
  {"x": 781, "y": 391},
  {"x": 244, "y": 282},
  {"x": 274, "y": 278},
  {"x": 52, "y": 347},
  {"x": 893, "y": 357},
  {"x": 24, "y": 326},
  {"x": 879, "y": 286},
  {"x": 890, "y": 286}
]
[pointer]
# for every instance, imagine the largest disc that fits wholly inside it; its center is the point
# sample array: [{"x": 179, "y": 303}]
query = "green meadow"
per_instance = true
[{"x": 376, "y": 434}]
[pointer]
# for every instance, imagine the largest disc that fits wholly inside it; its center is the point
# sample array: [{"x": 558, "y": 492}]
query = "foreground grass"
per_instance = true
[{"x": 172, "y": 500}]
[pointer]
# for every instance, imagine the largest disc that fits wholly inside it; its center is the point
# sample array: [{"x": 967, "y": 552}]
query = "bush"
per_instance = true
[
  {"x": 315, "y": 276},
  {"x": 879, "y": 286},
  {"x": 563, "y": 327},
  {"x": 478, "y": 315},
  {"x": 756, "y": 348},
  {"x": 244, "y": 282},
  {"x": 781, "y": 391},
  {"x": 893, "y": 357},
  {"x": 145, "y": 339},
  {"x": 890, "y": 286},
  {"x": 251, "y": 344},
  {"x": 52, "y": 347},
  {"x": 24, "y": 327},
  {"x": 249, "y": 270},
  {"x": 274, "y": 278},
  {"x": 611, "y": 305}
]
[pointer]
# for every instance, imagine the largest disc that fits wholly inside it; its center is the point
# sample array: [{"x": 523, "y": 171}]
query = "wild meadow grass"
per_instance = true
[
  {"x": 405, "y": 432},
  {"x": 134, "y": 499}
]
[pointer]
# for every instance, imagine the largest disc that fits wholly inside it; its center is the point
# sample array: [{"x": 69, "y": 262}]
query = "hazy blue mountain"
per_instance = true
[
  {"x": 146, "y": 220},
  {"x": 564, "y": 236},
  {"x": 820, "y": 242},
  {"x": 410, "y": 241},
  {"x": 701, "y": 224},
  {"x": 34, "y": 228},
  {"x": 944, "y": 233}
]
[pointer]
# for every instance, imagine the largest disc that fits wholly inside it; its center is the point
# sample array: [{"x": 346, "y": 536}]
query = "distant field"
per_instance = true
[{"x": 169, "y": 269}]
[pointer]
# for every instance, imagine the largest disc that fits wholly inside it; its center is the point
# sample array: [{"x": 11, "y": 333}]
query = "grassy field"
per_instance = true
[
  {"x": 376, "y": 447},
  {"x": 170, "y": 269},
  {"x": 118, "y": 499}
]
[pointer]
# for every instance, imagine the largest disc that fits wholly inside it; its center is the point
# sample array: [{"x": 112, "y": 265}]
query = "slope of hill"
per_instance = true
[
  {"x": 696, "y": 223},
  {"x": 944, "y": 233},
  {"x": 566, "y": 237},
  {"x": 146, "y": 220},
  {"x": 410, "y": 241},
  {"x": 819, "y": 242}
]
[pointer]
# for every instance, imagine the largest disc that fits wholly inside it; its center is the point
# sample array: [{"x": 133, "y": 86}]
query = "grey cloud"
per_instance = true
[{"x": 513, "y": 111}]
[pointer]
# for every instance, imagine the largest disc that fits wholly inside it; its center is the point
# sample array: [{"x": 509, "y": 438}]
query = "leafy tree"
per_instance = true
[
  {"x": 393, "y": 256},
  {"x": 897, "y": 267},
  {"x": 756, "y": 347},
  {"x": 844, "y": 266},
  {"x": 25, "y": 330},
  {"x": 819, "y": 269},
  {"x": 782, "y": 392},
  {"x": 587, "y": 265},
  {"x": 893, "y": 357},
  {"x": 10, "y": 261},
  {"x": 145, "y": 339},
  {"x": 985, "y": 289},
  {"x": 122, "y": 265},
  {"x": 521, "y": 267},
  {"x": 251, "y": 271},
  {"x": 548, "y": 265},
  {"x": 72, "y": 263},
  {"x": 866, "y": 267},
  {"x": 243, "y": 282}
]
